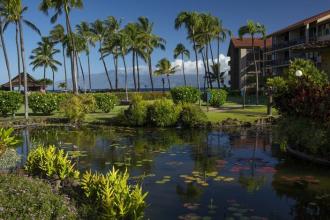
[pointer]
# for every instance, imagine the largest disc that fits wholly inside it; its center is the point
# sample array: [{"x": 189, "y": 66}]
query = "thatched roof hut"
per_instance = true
[{"x": 33, "y": 84}]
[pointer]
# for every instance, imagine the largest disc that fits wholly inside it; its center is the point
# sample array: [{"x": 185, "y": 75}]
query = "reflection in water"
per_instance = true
[{"x": 195, "y": 174}]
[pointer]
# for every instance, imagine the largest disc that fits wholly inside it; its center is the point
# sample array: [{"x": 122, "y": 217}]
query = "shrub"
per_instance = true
[
  {"x": 218, "y": 97},
  {"x": 112, "y": 197},
  {"x": 163, "y": 113},
  {"x": 106, "y": 101},
  {"x": 10, "y": 102},
  {"x": 192, "y": 116},
  {"x": 45, "y": 103},
  {"x": 136, "y": 114},
  {"x": 7, "y": 139},
  {"x": 9, "y": 159},
  {"x": 88, "y": 102},
  {"x": 145, "y": 95},
  {"x": 27, "y": 198},
  {"x": 73, "y": 108},
  {"x": 51, "y": 163},
  {"x": 185, "y": 94}
]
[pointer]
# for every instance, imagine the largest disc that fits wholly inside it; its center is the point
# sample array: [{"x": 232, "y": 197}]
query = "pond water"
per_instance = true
[{"x": 199, "y": 174}]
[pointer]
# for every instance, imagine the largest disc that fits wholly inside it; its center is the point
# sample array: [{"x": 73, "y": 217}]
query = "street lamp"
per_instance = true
[{"x": 299, "y": 73}]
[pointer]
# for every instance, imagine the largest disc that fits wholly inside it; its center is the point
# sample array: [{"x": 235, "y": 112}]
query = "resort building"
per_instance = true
[
  {"x": 307, "y": 39},
  {"x": 242, "y": 69}
]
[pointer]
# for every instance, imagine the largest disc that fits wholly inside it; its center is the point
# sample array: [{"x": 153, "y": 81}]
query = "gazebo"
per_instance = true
[{"x": 33, "y": 84}]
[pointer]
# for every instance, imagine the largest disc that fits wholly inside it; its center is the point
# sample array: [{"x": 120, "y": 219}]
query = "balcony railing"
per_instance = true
[{"x": 288, "y": 43}]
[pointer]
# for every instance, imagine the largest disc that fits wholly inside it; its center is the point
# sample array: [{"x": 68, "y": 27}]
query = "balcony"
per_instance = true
[{"x": 290, "y": 43}]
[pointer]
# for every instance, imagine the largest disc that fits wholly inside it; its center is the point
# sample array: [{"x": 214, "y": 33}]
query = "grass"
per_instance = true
[{"x": 231, "y": 109}]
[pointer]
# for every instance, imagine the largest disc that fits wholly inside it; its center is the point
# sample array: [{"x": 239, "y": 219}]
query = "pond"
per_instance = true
[{"x": 199, "y": 174}]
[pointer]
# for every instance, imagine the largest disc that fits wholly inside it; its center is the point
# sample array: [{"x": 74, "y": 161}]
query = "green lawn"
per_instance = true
[{"x": 231, "y": 109}]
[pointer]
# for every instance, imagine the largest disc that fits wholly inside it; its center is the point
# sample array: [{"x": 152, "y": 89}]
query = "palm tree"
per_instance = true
[
  {"x": 164, "y": 67},
  {"x": 151, "y": 41},
  {"x": 2, "y": 15},
  {"x": 100, "y": 31},
  {"x": 43, "y": 56},
  {"x": 113, "y": 26},
  {"x": 14, "y": 11},
  {"x": 123, "y": 41},
  {"x": 65, "y": 6},
  {"x": 191, "y": 21},
  {"x": 252, "y": 29},
  {"x": 180, "y": 50},
  {"x": 84, "y": 31},
  {"x": 57, "y": 35}
]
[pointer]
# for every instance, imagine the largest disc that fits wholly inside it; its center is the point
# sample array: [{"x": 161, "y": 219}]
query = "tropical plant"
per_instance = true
[
  {"x": 50, "y": 162},
  {"x": 111, "y": 195},
  {"x": 3, "y": 45},
  {"x": 59, "y": 7},
  {"x": 192, "y": 116},
  {"x": 13, "y": 13},
  {"x": 151, "y": 42},
  {"x": 57, "y": 35},
  {"x": 43, "y": 102},
  {"x": 181, "y": 50},
  {"x": 191, "y": 21},
  {"x": 218, "y": 97},
  {"x": 100, "y": 31},
  {"x": 43, "y": 56},
  {"x": 253, "y": 29},
  {"x": 10, "y": 102},
  {"x": 106, "y": 101},
  {"x": 74, "y": 109},
  {"x": 84, "y": 31},
  {"x": 163, "y": 113},
  {"x": 7, "y": 139},
  {"x": 185, "y": 94},
  {"x": 164, "y": 67},
  {"x": 136, "y": 114}
]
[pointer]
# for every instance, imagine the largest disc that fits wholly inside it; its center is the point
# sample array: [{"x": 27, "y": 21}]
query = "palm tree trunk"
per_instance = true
[
  {"x": 26, "y": 106},
  {"x": 115, "y": 63},
  {"x": 105, "y": 66},
  {"x": 208, "y": 66},
  {"x": 169, "y": 82},
  {"x": 256, "y": 71},
  {"x": 196, "y": 58},
  {"x": 82, "y": 73},
  {"x": 205, "y": 68},
  {"x": 53, "y": 80},
  {"x": 64, "y": 66},
  {"x": 89, "y": 72},
  {"x": 126, "y": 86},
  {"x": 74, "y": 66},
  {"x": 150, "y": 73},
  {"x": 134, "y": 77},
  {"x": 211, "y": 51},
  {"x": 138, "y": 71},
  {"x": 5, "y": 54},
  {"x": 44, "y": 78},
  {"x": 184, "y": 75},
  {"x": 18, "y": 57}
]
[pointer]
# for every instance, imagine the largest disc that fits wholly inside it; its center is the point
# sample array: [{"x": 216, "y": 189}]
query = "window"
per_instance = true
[{"x": 324, "y": 29}]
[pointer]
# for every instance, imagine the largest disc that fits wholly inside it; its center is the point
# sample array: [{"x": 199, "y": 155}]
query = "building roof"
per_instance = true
[
  {"x": 247, "y": 42},
  {"x": 313, "y": 46},
  {"x": 30, "y": 81},
  {"x": 302, "y": 22}
]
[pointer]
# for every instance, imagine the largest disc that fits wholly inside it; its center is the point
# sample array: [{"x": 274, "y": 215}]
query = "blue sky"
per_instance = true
[{"x": 274, "y": 14}]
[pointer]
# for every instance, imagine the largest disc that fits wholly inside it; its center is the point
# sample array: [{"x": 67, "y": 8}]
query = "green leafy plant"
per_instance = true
[
  {"x": 163, "y": 113},
  {"x": 112, "y": 196},
  {"x": 9, "y": 159},
  {"x": 27, "y": 198},
  {"x": 49, "y": 162},
  {"x": 192, "y": 116},
  {"x": 218, "y": 97},
  {"x": 10, "y": 102},
  {"x": 73, "y": 108},
  {"x": 7, "y": 139},
  {"x": 185, "y": 94},
  {"x": 45, "y": 103},
  {"x": 136, "y": 114},
  {"x": 89, "y": 103},
  {"x": 106, "y": 101}
]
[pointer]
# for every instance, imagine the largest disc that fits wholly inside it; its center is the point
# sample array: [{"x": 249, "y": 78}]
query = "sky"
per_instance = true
[{"x": 274, "y": 14}]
